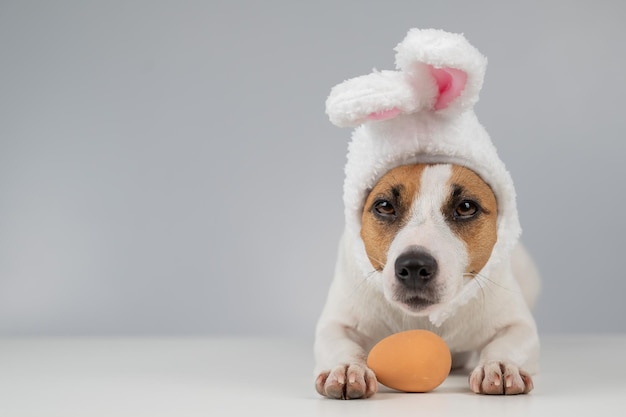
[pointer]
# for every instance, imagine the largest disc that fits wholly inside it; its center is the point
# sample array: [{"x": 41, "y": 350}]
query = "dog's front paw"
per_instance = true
[
  {"x": 347, "y": 382},
  {"x": 500, "y": 378}
]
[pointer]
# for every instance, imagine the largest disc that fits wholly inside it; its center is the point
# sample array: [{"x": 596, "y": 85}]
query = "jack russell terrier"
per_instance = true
[{"x": 431, "y": 239}]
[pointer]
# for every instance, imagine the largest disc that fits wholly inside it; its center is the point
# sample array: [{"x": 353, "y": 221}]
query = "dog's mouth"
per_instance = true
[{"x": 416, "y": 303}]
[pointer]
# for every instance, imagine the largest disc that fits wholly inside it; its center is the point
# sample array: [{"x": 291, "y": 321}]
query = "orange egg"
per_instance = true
[{"x": 411, "y": 361}]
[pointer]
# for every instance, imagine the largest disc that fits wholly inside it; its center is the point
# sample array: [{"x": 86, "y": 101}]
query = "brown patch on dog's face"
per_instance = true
[
  {"x": 472, "y": 211},
  {"x": 386, "y": 210}
]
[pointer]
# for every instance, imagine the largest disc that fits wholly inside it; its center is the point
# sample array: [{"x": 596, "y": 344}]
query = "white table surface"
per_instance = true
[{"x": 581, "y": 375}]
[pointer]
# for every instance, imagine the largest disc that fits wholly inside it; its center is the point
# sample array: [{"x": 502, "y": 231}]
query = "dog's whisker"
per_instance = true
[
  {"x": 357, "y": 287},
  {"x": 483, "y": 278},
  {"x": 371, "y": 273},
  {"x": 378, "y": 261},
  {"x": 480, "y": 285}
]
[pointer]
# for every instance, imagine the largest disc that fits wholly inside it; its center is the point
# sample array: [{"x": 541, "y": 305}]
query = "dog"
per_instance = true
[{"x": 432, "y": 231}]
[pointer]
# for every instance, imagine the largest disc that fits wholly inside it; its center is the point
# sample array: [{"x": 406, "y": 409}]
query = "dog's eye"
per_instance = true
[
  {"x": 466, "y": 209},
  {"x": 384, "y": 208}
]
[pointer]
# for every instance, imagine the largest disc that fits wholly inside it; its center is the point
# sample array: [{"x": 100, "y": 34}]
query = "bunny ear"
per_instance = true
[
  {"x": 450, "y": 83},
  {"x": 439, "y": 71},
  {"x": 381, "y": 95},
  {"x": 457, "y": 68}
]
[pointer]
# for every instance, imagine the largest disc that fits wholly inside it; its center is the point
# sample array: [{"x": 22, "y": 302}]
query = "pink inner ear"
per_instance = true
[
  {"x": 384, "y": 114},
  {"x": 451, "y": 82}
]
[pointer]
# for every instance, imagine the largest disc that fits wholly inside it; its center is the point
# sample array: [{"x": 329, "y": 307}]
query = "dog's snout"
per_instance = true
[{"x": 415, "y": 268}]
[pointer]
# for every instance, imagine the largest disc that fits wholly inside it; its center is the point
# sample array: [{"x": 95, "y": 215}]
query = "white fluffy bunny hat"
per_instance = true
[{"x": 421, "y": 113}]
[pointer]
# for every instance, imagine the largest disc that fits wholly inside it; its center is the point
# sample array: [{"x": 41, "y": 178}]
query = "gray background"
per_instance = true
[{"x": 167, "y": 167}]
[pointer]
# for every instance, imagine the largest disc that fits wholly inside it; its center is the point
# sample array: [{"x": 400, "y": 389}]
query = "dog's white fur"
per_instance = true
[{"x": 496, "y": 323}]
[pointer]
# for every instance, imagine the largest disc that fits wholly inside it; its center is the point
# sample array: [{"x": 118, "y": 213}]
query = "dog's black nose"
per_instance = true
[{"x": 415, "y": 269}]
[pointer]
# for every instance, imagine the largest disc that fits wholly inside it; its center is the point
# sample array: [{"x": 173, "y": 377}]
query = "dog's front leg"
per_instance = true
[
  {"x": 341, "y": 367},
  {"x": 500, "y": 367}
]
